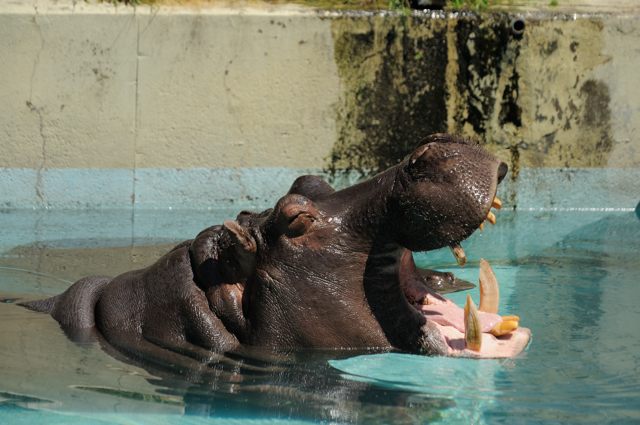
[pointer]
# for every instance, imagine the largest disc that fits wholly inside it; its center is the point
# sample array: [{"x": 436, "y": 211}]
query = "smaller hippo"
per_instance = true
[{"x": 323, "y": 269}]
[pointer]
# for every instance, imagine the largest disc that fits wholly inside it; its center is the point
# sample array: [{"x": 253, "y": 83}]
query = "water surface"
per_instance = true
[{"x": 574, "y": 278}]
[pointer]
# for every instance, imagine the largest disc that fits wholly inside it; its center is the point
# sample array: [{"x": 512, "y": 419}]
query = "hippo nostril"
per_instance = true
[{"x": 502, "y": 171}]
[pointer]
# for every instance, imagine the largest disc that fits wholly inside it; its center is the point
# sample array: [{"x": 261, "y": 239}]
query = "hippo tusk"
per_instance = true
[
  {"x": 458, "y": 252},
  {"x": 489, "y": 289},
  {"x": 491, "y": 218},
  {"x": 497, "y": 203},
  {"x": 472, "y": 329},
  {"x": 504, "y": 327},
  {"x": 490, "y": 300}
]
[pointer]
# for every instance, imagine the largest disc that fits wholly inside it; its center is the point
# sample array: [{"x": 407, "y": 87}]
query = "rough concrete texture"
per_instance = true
[
  {"x": 68, "y": 89},
  {"x": 548, "y": 97},
  {"x": 129, "y": 88},
  {"x": 242, "y": 91},
  {"x": 250, "y": 96}
]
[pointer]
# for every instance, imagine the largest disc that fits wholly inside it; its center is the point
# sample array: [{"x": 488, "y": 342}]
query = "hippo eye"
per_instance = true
[
  {"x": 300, "y": 224},
  {"x": 297, "y": 214}
]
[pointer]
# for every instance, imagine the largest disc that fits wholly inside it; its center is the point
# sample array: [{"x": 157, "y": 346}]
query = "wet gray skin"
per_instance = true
[
  {"x": 315, "y": 188},
  {"x": 323, "y": 269}
]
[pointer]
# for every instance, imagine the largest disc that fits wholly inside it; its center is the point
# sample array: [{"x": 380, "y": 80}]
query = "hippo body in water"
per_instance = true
[{"x": 323, "y": 269}]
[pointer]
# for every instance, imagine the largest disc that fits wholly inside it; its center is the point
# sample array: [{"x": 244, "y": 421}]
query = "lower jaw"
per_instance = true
[
  {"x": 447, "y": 331},
  {"x": 453, "y": 339},
  {"x": 492, "y": 347}
]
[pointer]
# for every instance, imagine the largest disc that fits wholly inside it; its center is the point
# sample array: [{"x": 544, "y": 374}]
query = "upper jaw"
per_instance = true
[
  {"x": 490, "y": 217},
  {"x": 485, "y": 214},
  {"x": 448, "y": 206}
]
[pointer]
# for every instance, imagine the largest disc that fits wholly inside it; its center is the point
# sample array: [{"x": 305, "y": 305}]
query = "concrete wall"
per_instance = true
[{"x": 114, "y": 107}]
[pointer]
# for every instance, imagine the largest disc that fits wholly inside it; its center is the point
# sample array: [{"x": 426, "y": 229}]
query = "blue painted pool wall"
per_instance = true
[{"x": 201, "y": 188}]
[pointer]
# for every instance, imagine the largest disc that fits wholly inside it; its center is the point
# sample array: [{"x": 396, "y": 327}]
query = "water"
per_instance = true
[{"x": 573, "y": 277}]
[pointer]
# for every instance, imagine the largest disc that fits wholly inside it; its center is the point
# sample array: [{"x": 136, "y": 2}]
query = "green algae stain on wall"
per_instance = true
[
  {"x": 394, "y": 93},
  {"x": 533, "y": 98},
  {"x": 568, "y": 107},
  {"x": 486, "y": 84}
]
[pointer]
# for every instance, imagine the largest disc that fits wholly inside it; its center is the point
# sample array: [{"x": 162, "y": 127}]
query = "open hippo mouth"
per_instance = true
[
  {"x": 453, "y": 330},
  {"x": 467, "y": 331}
]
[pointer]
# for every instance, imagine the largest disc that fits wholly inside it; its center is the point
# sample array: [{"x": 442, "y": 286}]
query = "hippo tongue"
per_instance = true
[{"x": 448, "y": 314}]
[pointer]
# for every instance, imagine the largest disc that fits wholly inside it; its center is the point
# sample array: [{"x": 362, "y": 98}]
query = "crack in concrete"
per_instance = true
[
  {"x": 154, "y": 14},
  {"x": 43, "y": 163},
  {"x": 37, "y": 60},
  {"x": 39, "y": 186},
  {"x": 140, "y": 31},
  {"x": 230, "y": 96},
  {"x": 135, "y": 133},
  {"x": 136, "y": 117},
  {"x": 124, "y": 28}
]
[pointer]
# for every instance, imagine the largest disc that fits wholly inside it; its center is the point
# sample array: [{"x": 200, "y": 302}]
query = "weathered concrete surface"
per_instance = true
[
  {"x": 68, "y": 88},
  {"x": 126, "y": 88},
  {"x": 106, "y": 106},
  {"x": 236, "y": 90},
  {"x": 541, "y": 99},
  {"x": 551, "y": 94}
]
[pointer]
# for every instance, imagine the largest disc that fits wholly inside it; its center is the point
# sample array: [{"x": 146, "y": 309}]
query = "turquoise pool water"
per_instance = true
[{"x": 572, "y": 276}]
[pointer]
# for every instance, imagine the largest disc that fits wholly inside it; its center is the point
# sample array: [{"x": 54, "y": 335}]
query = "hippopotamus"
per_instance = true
[{"x": 322, "y": 269}]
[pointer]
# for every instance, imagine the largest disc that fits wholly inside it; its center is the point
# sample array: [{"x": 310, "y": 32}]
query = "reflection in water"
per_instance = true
[
  {"x": 300, "y": 385},
  {"x": 25, "y": 401},
  {"x": 75, "y": 373},
  {"x": 249, "y": 383}
]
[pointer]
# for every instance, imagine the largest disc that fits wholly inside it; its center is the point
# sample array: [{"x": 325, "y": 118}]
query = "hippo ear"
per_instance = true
[
  {"x": 204, "y": 254},
  {"x": 237, "y": 255},
  {"x": 312, "y": 187},
  {"x": 240, "y": 237}
]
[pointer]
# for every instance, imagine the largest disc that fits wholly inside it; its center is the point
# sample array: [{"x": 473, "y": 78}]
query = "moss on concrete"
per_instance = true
[
  {"x": 568, "y": 119},
  {"x": 393, "y": 72},
  {"x": 532, "y": 97}
]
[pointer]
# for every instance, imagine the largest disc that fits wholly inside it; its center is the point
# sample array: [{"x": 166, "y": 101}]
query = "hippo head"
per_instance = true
[
  {"x": 443, "y": 193},
  {"x": 331, "y": 266}
]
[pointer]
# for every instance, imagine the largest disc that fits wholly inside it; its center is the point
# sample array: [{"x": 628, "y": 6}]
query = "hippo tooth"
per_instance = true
[
  {"x": 472, "y": 329},
  {"x": 497, "y": 203},
  {"x": 458, "y": 252},
  {"x": 491, "y": 217},
  {"x": 489, "y": 289},
  {"x": 481, "y": 227},
  {"x": 504, "y": 327}
]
